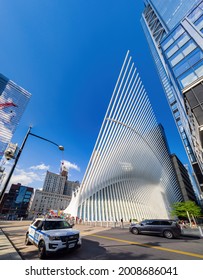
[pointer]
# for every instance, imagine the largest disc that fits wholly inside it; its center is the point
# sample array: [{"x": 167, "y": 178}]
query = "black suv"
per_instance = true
[{"x": 166, "y": 228}]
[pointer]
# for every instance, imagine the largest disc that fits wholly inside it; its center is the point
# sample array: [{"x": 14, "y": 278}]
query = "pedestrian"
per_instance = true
[
  {"x": 115, "y": 222},
  {"x": 122, "y": 222}
]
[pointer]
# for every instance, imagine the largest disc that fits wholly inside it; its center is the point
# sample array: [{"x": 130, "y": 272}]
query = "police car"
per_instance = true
[{"x": 52, "y": 235}]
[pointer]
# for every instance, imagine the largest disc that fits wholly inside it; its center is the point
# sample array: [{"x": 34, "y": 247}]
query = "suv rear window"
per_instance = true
[
  {"x": 165, "y": 223},
  {"x": 155, "y": 223}
]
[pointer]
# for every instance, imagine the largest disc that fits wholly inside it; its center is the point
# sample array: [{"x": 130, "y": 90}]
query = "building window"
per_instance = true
[
  {"x": 199, "y": 23},
  {"x": 196, "y": 13},
  {"x": 187, "y": 78},
  {"x": 181, "y": 68},
  {"x": 170, "y": 39},
  {"x": 182, "y": 53},
  {"x": 184, "y": 38}
]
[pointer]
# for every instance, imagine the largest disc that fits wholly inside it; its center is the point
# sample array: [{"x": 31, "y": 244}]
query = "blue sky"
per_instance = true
[{"x": 68, "y": 55}]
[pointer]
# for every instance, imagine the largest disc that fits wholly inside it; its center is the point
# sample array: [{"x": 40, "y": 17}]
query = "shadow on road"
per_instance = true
[{"x": 88, "y": 251}]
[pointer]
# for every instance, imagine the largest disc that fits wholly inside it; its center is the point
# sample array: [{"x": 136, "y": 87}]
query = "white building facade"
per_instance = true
[
  {"x": 55, "y": 195},
  {"x": 129, "y": 175},
  {"x": 44, "y": 201}
]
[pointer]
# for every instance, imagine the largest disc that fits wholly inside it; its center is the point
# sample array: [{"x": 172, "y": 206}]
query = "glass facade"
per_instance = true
[
  {"x": 171, "y": 12},
  {"x": 16, "y": 203},
  {"x": 129, "y": 174},
  {"x": 185, "y": 57},
  {"x": 178, "y": 56},
  {"x": 13, "y": 101}
]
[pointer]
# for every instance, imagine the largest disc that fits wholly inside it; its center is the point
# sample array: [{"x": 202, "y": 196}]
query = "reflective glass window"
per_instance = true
[
  {"x": 174, "y": 106},
  {"x": 155, "y": 223},
  {"x": 187, "y": 78},
  {"x": 183, "y": 52},
  {"x": 177, "y": 32},
  {"x": 195, "y": 57},
  {"x": 199, "y": 69},
  {"x": 199, "y": 23},
  {"x": 181, "y": 128},
  {"x": 196, "y": 13},
  {"x": 189, "y": 47},
  {"x": 179, "y": 122},
  {"x": 167, "y": 43},
  {"x": 176, "y": 59},
  {"x": 182, "y": 40},
  {"x": 181, "y": 68},
  {"x": 177, "y": 114},
  {"x": 169, "y": 40},
  {"x": 171, "y": 99},
  {"x": 171, "y": 51}
]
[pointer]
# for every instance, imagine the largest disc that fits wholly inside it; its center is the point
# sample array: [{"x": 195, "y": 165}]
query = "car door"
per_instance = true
[
  {"x": 156, "y": 227},
  {"x": 33, "y": 232},
  {"x": 145, "y": 226},
  {"x": 151, "y": 226}
]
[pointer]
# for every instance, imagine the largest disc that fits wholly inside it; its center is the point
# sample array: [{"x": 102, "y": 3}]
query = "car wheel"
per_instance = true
[
  {"x": 42, "y": 250},
  {"x": 168, "y": 234},
  {"x": 27, "y": 241},
  {"x": 135, "y": 231}
]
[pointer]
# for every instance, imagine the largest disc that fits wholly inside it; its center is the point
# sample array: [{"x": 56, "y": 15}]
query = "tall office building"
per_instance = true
[
  {"x": 129, "y": 174},
  {"x": 13, "y": 101},
  {"x": 174, "y": 31},
  {"x": 184, "y": 180},
  {"x": 54, "y": 183},
  {"x": 56, "y": 194}
]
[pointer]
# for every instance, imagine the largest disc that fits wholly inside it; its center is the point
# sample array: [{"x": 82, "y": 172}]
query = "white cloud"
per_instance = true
[
  {"x": 41, "y": 166},
  {"x": 33, "y": 176},
  {"x": 70, "y": 165},
  {"x": 25, "y": 178}
]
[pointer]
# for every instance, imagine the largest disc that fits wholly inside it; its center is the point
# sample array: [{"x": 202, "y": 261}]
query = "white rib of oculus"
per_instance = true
[{"x": 129, "y": 174}]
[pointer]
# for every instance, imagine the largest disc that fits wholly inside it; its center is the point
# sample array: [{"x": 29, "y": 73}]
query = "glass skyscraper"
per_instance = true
[
  {"x": 174, "y": 31},
  {"x": 13, "y": 101},
  {"x": 130, "y": 174}
]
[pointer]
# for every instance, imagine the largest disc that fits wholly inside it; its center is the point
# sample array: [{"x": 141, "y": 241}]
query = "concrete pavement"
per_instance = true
[{"x": 7, "y": 250}]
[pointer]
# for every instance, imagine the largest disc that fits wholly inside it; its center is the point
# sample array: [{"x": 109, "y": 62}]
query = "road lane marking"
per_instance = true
[{"x": 149, "y": 246}]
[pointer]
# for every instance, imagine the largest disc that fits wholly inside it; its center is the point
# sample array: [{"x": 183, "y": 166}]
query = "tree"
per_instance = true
[{"x": 182, "y": 209}]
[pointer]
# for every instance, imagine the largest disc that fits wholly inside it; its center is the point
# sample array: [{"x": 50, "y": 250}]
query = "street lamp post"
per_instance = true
[{"x": 18, "y": 156}]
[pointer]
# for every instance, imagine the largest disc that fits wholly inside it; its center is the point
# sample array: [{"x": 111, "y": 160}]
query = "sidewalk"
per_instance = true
[
  {"x": 192, "y": 232},
  {"x": 7, "y": 250}
]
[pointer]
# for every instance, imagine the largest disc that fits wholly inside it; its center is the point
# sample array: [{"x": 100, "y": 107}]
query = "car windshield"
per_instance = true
[{"x": 49, "y": 225}]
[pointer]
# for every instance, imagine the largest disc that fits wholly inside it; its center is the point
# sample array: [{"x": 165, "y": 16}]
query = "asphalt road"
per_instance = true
[{"x": 111, "y": 244}]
